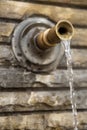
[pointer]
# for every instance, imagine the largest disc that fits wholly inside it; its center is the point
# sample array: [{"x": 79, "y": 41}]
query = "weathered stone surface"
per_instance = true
[
  {"x": 46, "y": 100},
  {"x": 19, "y": 122},
  {"x": 16, "y": 78},
  {"x": 64, "y": 121},
  {"x": 22, "y": 10},
  {"x": 79, "y": 57},
  {"x": 25, "y": 79},
  {"x": 51, "y": 121},
  {"x": 22, "y": 91},
  {"x": 6, "y": 55},
  {"x": 6, "y": 30}
]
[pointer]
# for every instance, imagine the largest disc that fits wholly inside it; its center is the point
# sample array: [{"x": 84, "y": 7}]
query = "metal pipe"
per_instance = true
[{"x": 63, "y": 30}]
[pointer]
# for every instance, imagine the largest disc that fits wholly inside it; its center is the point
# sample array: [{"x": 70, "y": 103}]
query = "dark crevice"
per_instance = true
[
  {"x": 17, "y": 21},
  {"x": 60, "y": 67},
  {"x": 41, "y": 89},
  {"x": 78, "y": 47},
  {"x": 10, "y": 20},
  {"x": 80, "y": 26},
  {"x": 80, "y": 68},
  {"x": 7, "y": 43},
  {"x": 19, "y": 89},
  {"x": 74, "y": 68},
  {"x": 70, "y": 5},
  {"x": 15, "y": 113}
]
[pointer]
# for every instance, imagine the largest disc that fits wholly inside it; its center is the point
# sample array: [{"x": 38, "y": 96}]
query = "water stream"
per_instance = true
[{"x": 66, "y": 45}]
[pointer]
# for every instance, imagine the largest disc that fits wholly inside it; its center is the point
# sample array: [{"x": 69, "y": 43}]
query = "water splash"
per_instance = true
[{"x": 66, "y": 45}]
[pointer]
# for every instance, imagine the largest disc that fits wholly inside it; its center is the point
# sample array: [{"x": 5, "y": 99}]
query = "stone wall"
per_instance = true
[{"x": 30, "y": 101}]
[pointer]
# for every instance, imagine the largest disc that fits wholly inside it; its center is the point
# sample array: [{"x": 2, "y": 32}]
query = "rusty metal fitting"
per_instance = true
[
  {"x": 32, "y": 38},
  {"x": 63, "y": 30}
]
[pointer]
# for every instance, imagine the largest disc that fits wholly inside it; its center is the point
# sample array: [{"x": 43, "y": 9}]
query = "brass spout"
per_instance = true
[{"x": 63, "y": 30}]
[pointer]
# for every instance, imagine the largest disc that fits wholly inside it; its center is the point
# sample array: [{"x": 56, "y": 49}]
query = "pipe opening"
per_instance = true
[{"x": 63, "y": 30}]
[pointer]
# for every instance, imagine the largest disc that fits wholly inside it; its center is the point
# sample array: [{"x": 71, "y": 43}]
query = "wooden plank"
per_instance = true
[
  {"x": 22, "y": 10},
  {"x": 50, "y": 121},
  {"x": 6, "y": 29},
  {"x": 79, "y": 57},
  {"x": 44, "y": 100},
  {"x": 25, "y": 79}
]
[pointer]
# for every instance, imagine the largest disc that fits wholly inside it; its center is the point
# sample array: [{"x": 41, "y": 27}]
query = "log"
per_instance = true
[
  {"x": 23, "y": 10},
  {"x": 51, "y": 121},
  {"x": 41, "y": 100},
  {"x": 56, "y": 79},
  {"x": 6, "y": 30}
]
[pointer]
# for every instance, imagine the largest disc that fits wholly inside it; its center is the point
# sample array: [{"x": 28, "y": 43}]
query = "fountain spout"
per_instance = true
[
  {"x": 63, "y": 30},
  {"x": 35, "y": 43}
]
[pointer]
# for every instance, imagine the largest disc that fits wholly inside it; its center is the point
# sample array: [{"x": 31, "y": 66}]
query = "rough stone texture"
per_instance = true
[
  {"x": 44, "y": 100},
  {"x": 30, "y": 101},
  {"x": 25, "y": 79},
  {"x": 64, "y": 120},
  {"x": 23, "y": 10},
  {"x": 6, "y": 31},
  {"x": 19, "y": 122},
  {"x": 50, "y": 121},
  {"x": 7, "y": 58}
]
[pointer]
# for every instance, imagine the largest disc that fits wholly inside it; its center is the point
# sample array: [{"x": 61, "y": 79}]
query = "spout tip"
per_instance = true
[{"x": 64, "y": 30}]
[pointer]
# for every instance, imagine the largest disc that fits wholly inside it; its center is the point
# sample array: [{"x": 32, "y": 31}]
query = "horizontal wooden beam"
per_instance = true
[
  {"x": 51, "y": 121},
  {"x": 25, "y": 79},
  {"x": 23, "y": 10}
]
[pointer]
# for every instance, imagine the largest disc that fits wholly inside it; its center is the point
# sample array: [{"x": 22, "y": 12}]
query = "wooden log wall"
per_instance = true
[{"x": 30, "y": 101}]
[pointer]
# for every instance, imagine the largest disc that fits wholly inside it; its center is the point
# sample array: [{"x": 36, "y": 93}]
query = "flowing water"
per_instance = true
[{"x": 66, "y": 45}]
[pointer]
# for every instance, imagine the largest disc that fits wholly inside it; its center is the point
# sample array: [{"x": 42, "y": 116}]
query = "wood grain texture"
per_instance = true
[
  {"x": 51, "y": 121},
  {"x": 7, "y": 28},
  {"x": 25, "y": 79},
  {"x": 22, "y": 10},
  {"x": 46, "y": 100}
]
